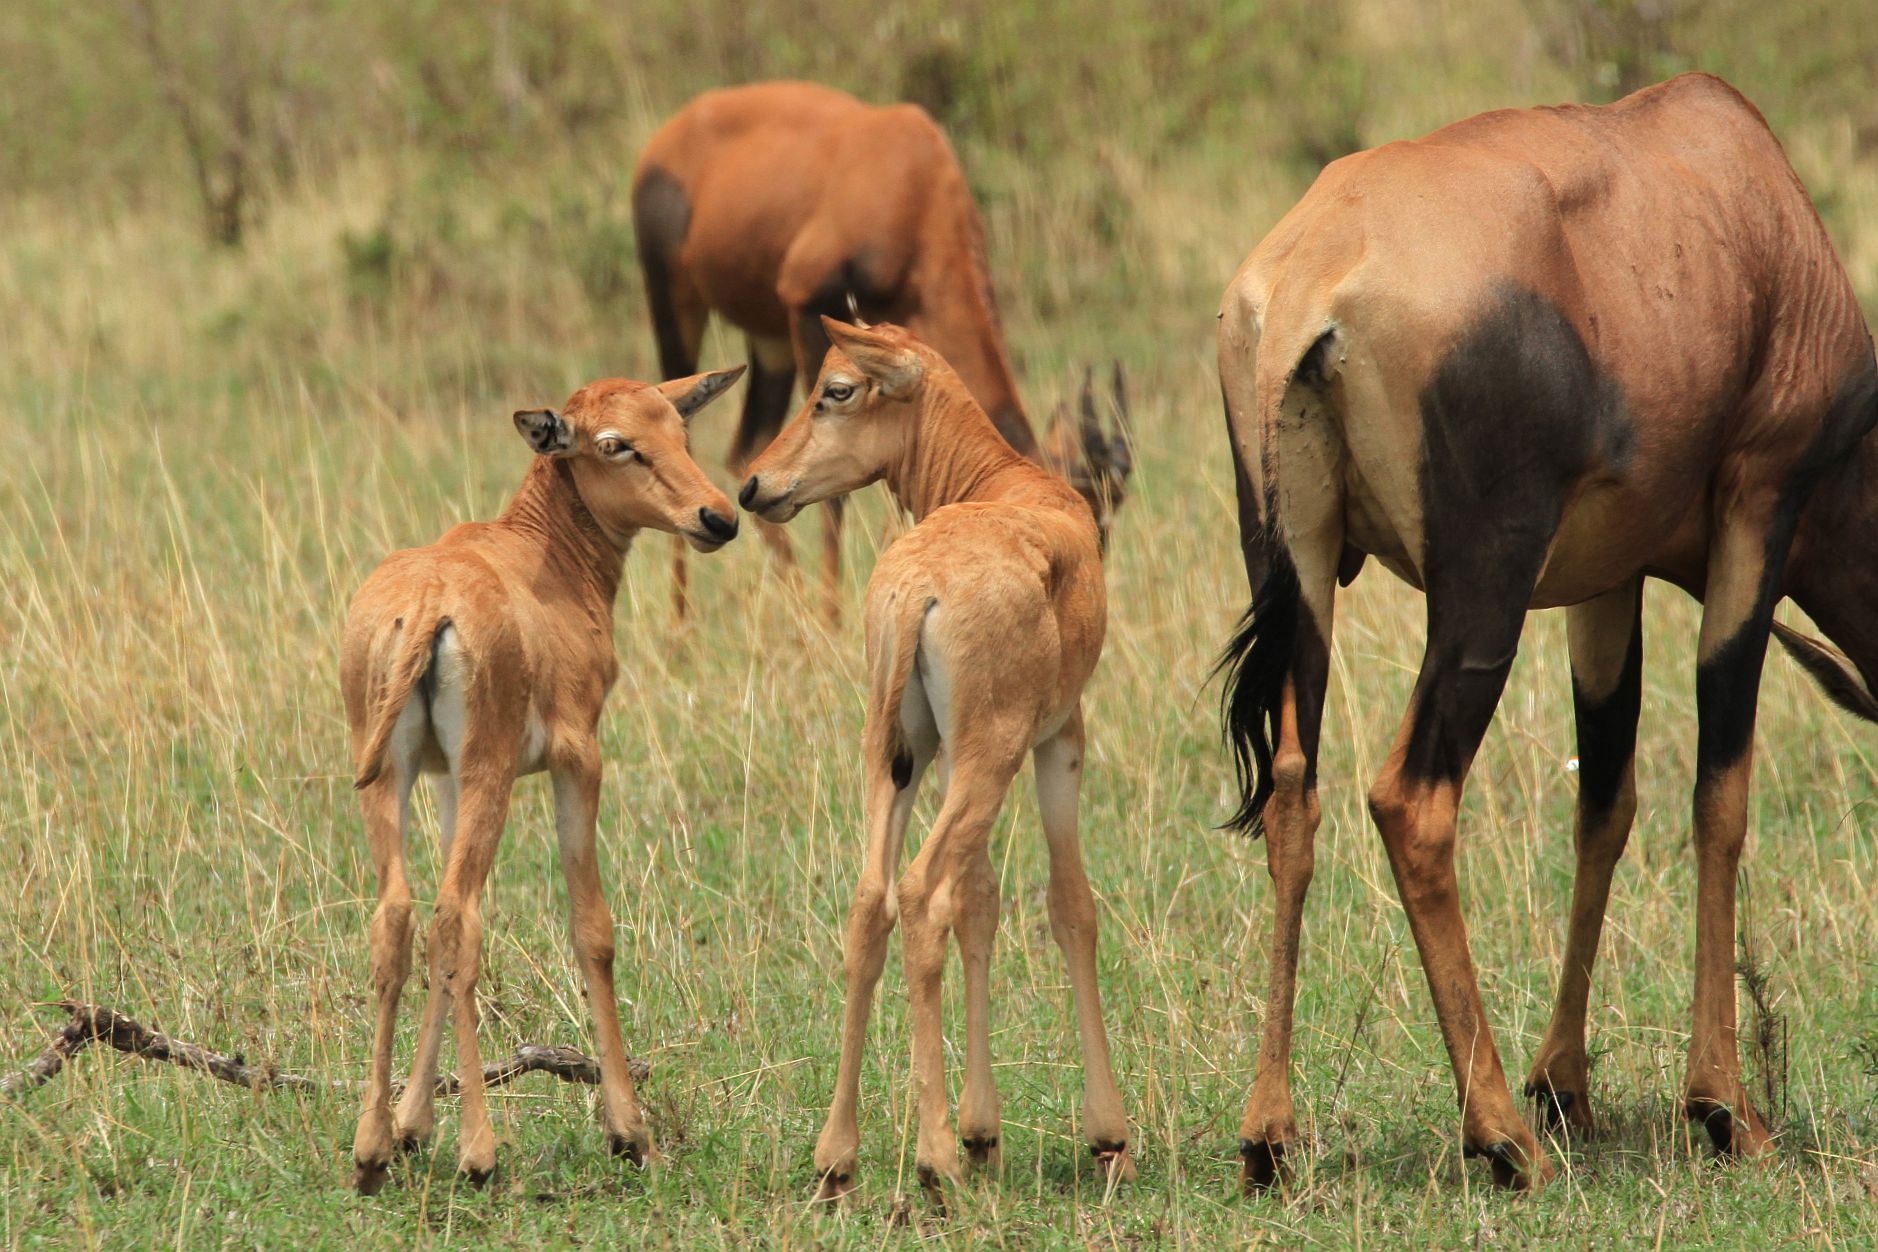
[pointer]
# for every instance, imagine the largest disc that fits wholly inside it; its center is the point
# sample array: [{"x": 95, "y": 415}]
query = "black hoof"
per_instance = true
[
  {"x": 979, "y": 1151},
  {"x": 1717, "y": 1119},
  {"x": 933, "y": 1184},
  {"x": 1263, "y": 1163},
  {"x": 369, "y": 1179},
  {"x": 478, "y": 1178},
  {"x": 1554, "y": 1106},
  {"x": 633, "y": 1150},
  {"x": 833, "y": 1187},
  {"x": 1505, "y": 1160}
]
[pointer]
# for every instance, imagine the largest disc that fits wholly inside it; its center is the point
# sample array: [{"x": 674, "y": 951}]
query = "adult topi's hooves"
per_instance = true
[
  {"x": 1562, "y": 1110},
  {"x": 833, "y": 1188},
  {"x": 1514, "y": 1168},
  {"x": 1734, "y": 1131},
  {"x": 1263, "y": 1162},
  {"x": 1113, "y": 1161},
  {"x": 369, "y": 1178},
  {"x": 636, "y": 1148},
  {"x": 982, "y": 1152}
]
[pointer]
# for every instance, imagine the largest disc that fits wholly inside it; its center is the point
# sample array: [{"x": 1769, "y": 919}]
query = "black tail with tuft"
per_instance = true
[{"x": 1256, "y": 662}]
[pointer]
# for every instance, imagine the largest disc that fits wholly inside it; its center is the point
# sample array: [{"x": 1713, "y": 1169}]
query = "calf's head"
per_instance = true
[
  {"x": 852, "y": 429},
  {"x": 624, "y": 442}
]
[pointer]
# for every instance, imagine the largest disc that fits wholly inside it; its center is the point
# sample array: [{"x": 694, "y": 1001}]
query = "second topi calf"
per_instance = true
[{"x": 983, "y": 623}]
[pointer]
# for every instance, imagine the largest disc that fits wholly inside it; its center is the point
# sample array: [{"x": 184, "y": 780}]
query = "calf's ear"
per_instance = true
[
  {"x": 688, "y": 395},
  {"x": 547, "y": 432}
]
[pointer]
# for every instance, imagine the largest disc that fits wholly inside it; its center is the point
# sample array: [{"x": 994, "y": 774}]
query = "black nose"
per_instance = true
[
  {"x": 748, "y": 493},
  {"x": 717, "y": 526}
]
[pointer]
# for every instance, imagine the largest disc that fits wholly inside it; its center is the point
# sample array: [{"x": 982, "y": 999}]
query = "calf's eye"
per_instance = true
[{"x": 837, "y": 392}]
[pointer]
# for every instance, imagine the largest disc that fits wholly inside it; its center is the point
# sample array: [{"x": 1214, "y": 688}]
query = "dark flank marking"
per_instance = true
[
  {"x": 1515, "y": 413},
  {"x": 902, "y": 769},
  {"x": 661, "y": 219},
  {"x": 1607, "y": 730},
  {"x": 765, "y": 407}
]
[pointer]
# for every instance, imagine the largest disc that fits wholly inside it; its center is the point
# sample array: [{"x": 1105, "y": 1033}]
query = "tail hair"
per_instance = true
[
  {"x": 895, "y": 649},
  {"x": 1256, "y": 662},
  {"x": 1832, "y": 669},
  {"x": 408, "y": 664}
]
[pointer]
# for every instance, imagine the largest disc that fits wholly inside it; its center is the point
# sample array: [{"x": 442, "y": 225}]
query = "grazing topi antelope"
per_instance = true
[
  {"x": 776, "y": 203},
  {"x": 1529, "y": 361},
  {"x": 487, "y": 656},
  {"x": 983, "y": 623}
]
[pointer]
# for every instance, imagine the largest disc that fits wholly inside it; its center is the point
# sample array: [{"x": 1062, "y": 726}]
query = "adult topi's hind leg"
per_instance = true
[
  {"x": 1073, "y": 922},
  {"x": 1474, "y": 626},
  {"x": 766, "y": 397},
  {"x": 1738, "y": 601},
  {"x": 1300, "y": 581},
  {"x": 1607, "y": 689},
  {"x": 386, "y": 805}
]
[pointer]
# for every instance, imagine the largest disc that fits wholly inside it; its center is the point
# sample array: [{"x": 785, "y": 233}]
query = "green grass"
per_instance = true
[{"x": 203, "y": 451}]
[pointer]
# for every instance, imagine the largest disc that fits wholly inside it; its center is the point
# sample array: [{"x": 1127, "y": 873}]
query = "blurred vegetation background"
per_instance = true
[
  {"x": 273, "y": 274},
  {"x": 392, "y": 163}
]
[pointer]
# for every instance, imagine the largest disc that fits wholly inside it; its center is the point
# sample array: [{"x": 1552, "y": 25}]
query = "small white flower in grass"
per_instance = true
[{"x": 1571, "y": 765}]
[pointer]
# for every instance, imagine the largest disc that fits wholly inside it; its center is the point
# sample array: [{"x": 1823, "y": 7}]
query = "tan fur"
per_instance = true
[
  {"x": 983, "y": 623},
  {"x": 486, "y": 656},
  {"x": 797, "y": 198}
]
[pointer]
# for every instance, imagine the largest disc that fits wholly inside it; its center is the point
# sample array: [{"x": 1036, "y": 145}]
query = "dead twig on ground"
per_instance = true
[{"x": 90, "y": 1024}]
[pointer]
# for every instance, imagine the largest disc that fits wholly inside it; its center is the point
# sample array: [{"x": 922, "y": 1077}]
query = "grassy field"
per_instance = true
[{"x": 203, "y": 450}]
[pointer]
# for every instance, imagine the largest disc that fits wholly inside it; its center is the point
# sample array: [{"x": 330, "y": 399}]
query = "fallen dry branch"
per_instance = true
[{"x": 91, "y": 1023}]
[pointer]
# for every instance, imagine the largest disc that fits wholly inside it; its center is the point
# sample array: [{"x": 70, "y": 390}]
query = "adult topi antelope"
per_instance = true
[
  {"x": 983, "y": 623},
  {"x": 776, "y": 203},
  {"x": 487, "y": 656},
  {"x": 1529, "y": 361}
]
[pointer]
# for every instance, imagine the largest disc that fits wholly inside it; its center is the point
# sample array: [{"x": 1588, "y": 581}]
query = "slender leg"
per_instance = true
[
  {"x": 831, "y": 559},
  {"x": 766, "y": 396},
  {"x": 1474, "y": 624},
  {"x": 1290, "y": 819},
  {"x": 1073, "y": 921},
  {"x": 386, "y": 804},
  {"x": 870, "y": 922},
  {"x": 977, "y": 930},
  {"x": 811, "y": 346},
  {"x": 679, "y": 315},
  {"x": 576, "y": 808},
  {"x": 417, "y": 1108},
  {"x": 1607, "y": 690},
  {"x": 456, "y": 949},
  {"x": 1745, "y": 565},
  {"x": 929, "y": 904}
]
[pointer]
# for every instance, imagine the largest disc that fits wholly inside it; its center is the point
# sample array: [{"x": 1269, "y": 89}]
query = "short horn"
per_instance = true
[{"x": 854, "y": 310}]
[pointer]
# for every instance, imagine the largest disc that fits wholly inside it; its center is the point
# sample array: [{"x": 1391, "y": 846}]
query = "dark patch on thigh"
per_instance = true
[
  {"x": 1607, "y": 730},
  {"x": 661, "y": 214},
  {"x": 1516, "y": 413},
  {"x": 661, "y": 220}
]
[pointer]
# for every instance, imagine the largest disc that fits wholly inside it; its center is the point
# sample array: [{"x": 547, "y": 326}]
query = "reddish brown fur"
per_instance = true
[
  {"x": 1684, "y": 263},
  {"x": 488, "y": 655},
  {"x": 775, "y": 203}
]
